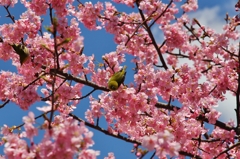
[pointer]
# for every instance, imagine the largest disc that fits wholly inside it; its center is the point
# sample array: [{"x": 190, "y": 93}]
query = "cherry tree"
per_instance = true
[{"x": 53, "y": 68}]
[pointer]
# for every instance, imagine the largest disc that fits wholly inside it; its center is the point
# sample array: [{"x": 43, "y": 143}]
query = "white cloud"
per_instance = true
[
  {"x": 209, "y": 17},
  {"x": 227, "y": 107}
]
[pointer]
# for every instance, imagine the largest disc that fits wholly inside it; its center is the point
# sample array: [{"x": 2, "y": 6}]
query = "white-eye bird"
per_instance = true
[
  {"x": 117, "y": 79},
  {"x": 22, "y": 51}
]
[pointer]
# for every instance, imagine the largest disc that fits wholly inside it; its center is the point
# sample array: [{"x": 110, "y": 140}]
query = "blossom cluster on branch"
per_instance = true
[{"x": 56, "y": 69}]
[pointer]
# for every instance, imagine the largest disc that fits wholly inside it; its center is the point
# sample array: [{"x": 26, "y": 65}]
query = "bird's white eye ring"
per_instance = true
[{"x": 113, "y": 87}]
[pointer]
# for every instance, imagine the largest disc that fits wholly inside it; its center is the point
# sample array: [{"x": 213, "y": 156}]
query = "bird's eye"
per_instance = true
[{"x": 113, "y": 88}]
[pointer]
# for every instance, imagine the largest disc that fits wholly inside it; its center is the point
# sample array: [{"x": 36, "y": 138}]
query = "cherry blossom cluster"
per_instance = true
[
  {"x": 192, "y": 64},
  {"x": 57, "y": 142},
  {"x": 14, "y": 90},
  {"x": 163, "y": 143}
]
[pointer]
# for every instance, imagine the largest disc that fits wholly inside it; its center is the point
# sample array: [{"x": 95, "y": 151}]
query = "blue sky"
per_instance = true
[{"x": 211, "y": 13}]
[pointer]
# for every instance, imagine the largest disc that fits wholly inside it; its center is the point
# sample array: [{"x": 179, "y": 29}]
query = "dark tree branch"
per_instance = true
[
  {"x": 203, "y": 118},
  {"x": 152, "y": 38},
  {"x": 2, "y": 105},
  {"x": 238, "y": 93},
  {"x": 228, "y": 149},
  {"x": 104, "y": 131},
  {"x": 76, "y": 79},
  {"x": 85, "y": 95}
]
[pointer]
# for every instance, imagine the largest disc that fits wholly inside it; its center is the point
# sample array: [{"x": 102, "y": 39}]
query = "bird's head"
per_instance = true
[{"x": 112, "y": 85}]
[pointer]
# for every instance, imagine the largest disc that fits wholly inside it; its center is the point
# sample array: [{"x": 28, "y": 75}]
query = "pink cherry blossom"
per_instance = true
[
  {"x": 191, "y": 5},
  {"x": 8, "y": 2},
  {"x": 178, "y": 72},
  {"x": 110, "y": 156}
]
